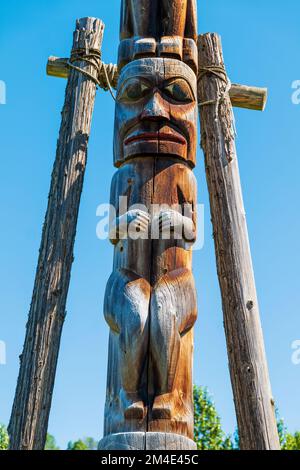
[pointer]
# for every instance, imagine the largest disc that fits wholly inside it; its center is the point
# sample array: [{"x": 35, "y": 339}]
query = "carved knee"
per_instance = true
[
  {"x": 175, "y": 300},
  {"x": 126, "y": 304}
]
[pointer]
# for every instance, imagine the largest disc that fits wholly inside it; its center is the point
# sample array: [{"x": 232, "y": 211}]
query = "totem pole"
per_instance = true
[{"x": 150, "y": 301}]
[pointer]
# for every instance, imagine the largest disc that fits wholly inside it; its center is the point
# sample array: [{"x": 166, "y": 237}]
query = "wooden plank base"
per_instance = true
[{"x": 146, "y": 441}]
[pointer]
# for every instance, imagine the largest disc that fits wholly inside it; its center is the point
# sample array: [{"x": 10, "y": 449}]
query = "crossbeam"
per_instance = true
[{"x": 241, "y": 96}]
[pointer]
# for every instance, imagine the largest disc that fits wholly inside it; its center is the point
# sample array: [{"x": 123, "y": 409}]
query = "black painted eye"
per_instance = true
[
  {"x": 179, "y": 90},
  {"x": 133, "y": 90}
]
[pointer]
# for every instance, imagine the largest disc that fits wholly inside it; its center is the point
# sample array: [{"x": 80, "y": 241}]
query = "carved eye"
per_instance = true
[
  {"x": 133, "y": 90},
  {"x": 179, "y": 90}
]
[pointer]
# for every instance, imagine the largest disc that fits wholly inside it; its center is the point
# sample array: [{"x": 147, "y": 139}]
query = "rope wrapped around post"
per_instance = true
[
  {"x": 107, "y": 74},
  {"x": 220, "y": 72}
]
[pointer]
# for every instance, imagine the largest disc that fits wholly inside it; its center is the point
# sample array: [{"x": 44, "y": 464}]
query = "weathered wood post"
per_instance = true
[
  {"x": 31, "y": 408},
  {"x": 247, "y": 359},
  {"x": 150, "y": 301}
]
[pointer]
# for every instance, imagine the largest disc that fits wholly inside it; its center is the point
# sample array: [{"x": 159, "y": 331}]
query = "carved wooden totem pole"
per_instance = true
[{"x": 150, "y": 302}]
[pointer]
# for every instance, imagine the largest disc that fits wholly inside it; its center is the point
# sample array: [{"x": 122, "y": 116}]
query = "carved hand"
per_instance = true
[
  {"x": 173, "y": 221},
  {"x": 133, "y": 221}
]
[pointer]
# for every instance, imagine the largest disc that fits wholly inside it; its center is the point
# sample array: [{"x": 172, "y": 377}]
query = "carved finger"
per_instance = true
[
  {"x": 145, "y": 217},
  {"x": 164, "y": 217},
  {"x": 143, "y": 226},
  {"x": 140, "y": 227},
  {"x": 166, "y": 226}
]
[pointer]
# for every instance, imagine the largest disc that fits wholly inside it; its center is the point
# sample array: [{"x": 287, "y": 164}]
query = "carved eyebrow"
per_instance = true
[
  {"x": 151, "y": 80},
  {"x": 137, "y": 74},
  {"x": 142, "y": 78},
  {"x": 155, "y": 75}
]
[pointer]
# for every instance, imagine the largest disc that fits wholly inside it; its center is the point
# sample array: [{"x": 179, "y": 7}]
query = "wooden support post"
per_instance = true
[
  {"x": 31, "y": 408},
  {"x": 247, "y": 359}
]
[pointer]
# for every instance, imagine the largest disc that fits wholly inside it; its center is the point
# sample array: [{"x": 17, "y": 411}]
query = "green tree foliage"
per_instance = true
[
  {"x": 292, "y": 441},
  {"x": 77, "y": 445},
  {"x": 91, "y": 443},
  {"x": 208, "y": 432},
  {"x": 51, "y": 443},
  {"x": 288, "y": 441},
  {"x": 282, "y": 432},
  {"x": 83, "y": 444},
  {"x": 4, "y": 440}
]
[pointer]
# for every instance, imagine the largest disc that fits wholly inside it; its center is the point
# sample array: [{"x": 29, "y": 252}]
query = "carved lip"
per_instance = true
[{"x": 177, "y": 138}]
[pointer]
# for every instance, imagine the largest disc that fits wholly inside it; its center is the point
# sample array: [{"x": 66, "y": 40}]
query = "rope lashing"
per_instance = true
[
  {"x": 107, "y": 74},
  {"x": 220, "y": 72}
]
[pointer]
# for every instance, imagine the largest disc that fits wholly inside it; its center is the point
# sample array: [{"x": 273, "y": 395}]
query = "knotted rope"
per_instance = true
[
  {"x": 107, "y": 74},
  {"x": 220, "y": 72}
]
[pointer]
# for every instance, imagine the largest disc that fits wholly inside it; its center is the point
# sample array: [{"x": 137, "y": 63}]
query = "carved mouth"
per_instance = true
[{"x": 156, "y": 136}]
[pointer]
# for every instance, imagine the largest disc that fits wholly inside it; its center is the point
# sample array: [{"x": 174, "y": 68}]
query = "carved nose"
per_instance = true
[{"x": 156, "y": 108}]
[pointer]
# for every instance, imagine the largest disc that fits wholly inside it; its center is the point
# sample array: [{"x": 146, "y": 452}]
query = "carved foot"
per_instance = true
[
  {"x": 163, "y": 407},
  {"x": 135, "y": 411}
]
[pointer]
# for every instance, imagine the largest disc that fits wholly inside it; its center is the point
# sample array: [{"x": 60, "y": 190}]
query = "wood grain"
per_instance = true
[
  {"x": 248, "y": 97},
  {"x": 146, "y": 441},
  {"x": 31, "y": 408},
  {"x": 149, "y": 384},
  {"x": 247, "y": 359}
]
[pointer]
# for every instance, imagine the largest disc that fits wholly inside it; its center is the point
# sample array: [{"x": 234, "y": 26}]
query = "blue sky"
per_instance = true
[{"x": 260, "y": 42}]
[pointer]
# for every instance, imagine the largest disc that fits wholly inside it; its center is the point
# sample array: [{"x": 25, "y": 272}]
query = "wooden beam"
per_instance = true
[
  {"x": 241, "y": 96},
  {"x": 31, "y": 408},
  {"x": 58, "y": 67},
  {"x": 247, "y": 359}
]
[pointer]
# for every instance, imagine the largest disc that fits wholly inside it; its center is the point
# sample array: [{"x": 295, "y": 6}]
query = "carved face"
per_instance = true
[{"x": 156, "y": 112}]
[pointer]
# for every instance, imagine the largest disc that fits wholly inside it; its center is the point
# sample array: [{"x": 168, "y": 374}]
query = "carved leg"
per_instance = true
[
  {"x": 126, "y": 21},
  {"x": 126, "y": 311},
  {"x": 191, "y": 20},
  {"x": 174, "y": 17},
  {"x": 173, "y": 313},
  {"x": 144, "y": 17}
]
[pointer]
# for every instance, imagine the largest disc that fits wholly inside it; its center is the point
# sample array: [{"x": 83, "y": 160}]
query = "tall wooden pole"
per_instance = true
[
  {"x": 150, "y": 301},
  {"x": 31, "y": 408},
  {"x": 247, "y": 359}
]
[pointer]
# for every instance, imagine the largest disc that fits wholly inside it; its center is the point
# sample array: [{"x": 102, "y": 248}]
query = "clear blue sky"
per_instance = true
[{"x": 261, "y": 46}]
